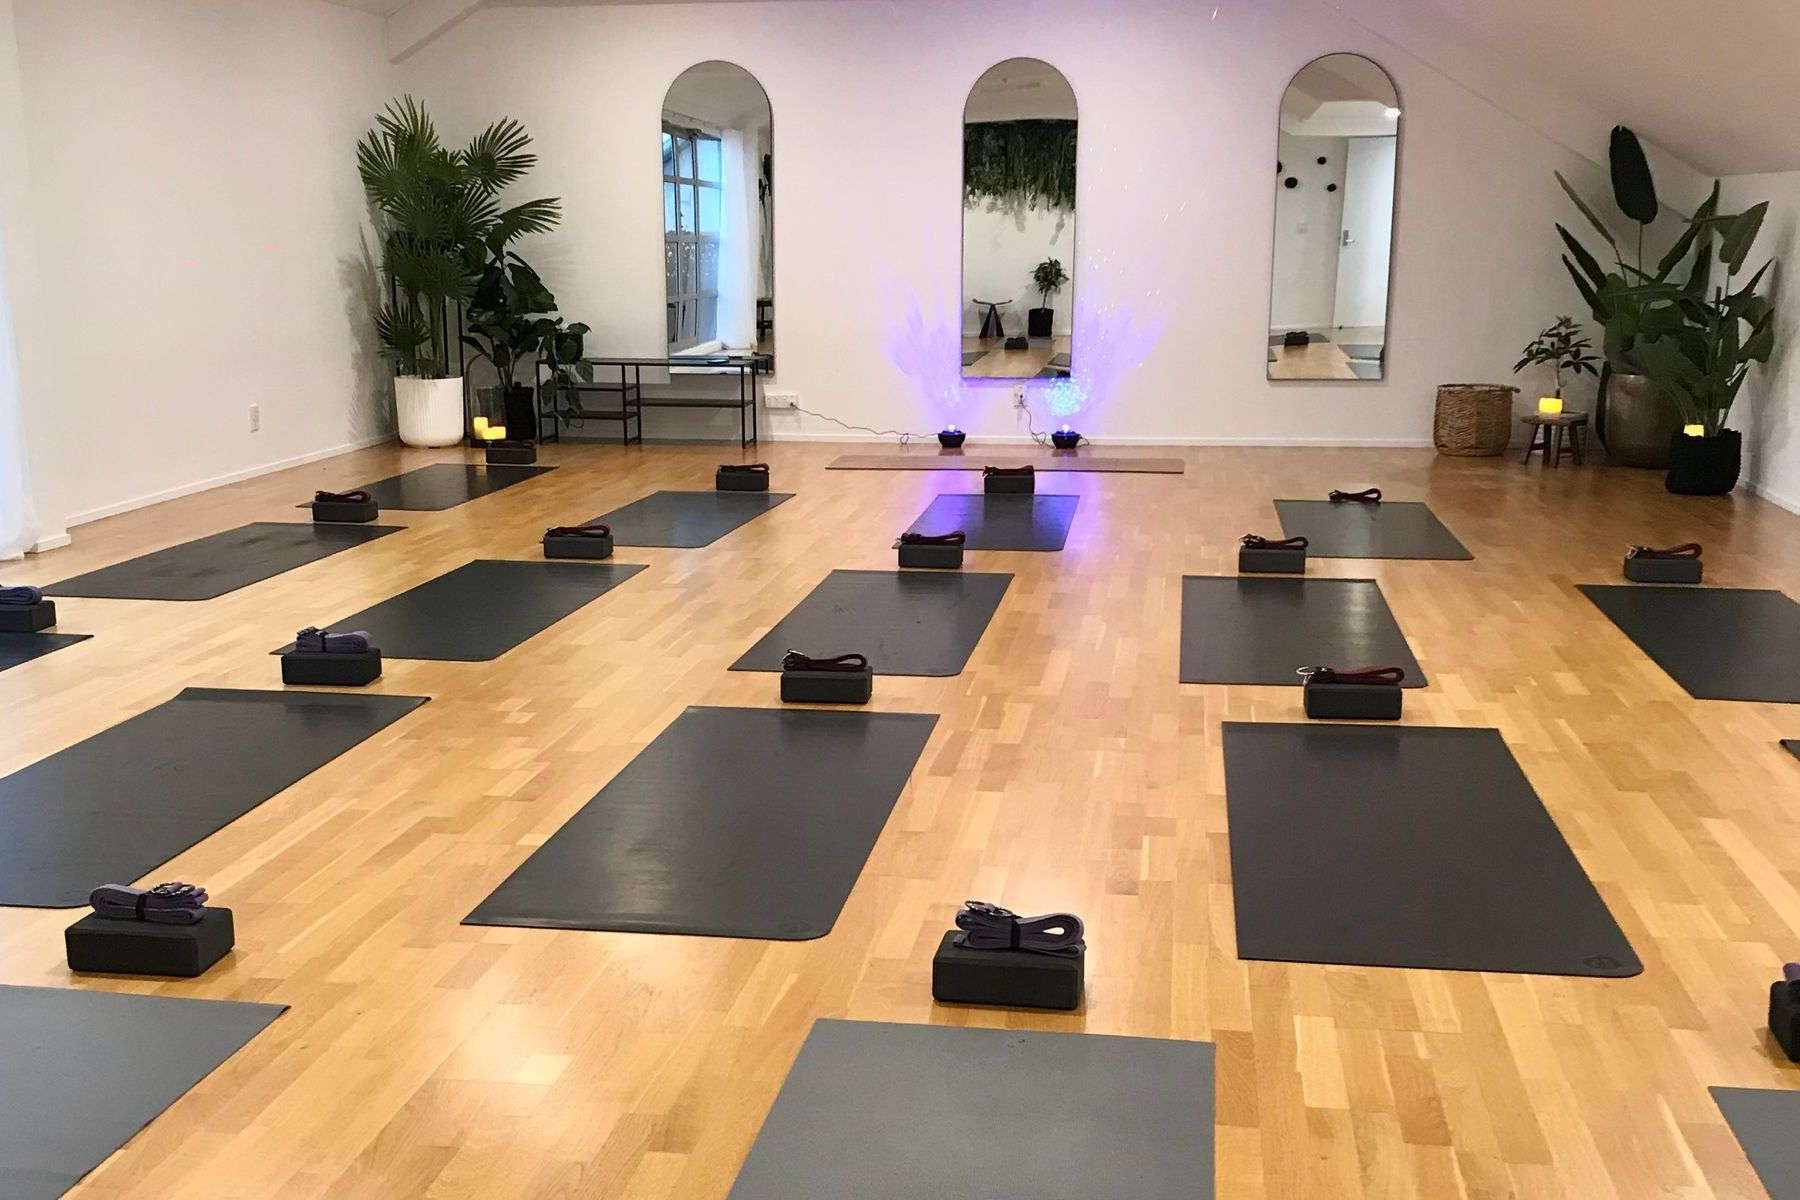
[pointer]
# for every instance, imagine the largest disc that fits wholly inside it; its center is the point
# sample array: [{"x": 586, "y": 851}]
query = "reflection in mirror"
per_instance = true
[
  {"x": 1334, "y": 221},
  {"x": 718, "y": 212},
  {"x": 1018, "y": 290}
]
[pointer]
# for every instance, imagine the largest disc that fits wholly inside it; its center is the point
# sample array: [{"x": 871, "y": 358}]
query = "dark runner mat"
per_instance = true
[
  {"x": 445, "y": 485},
  {"x": 686, "y": 520},
  {"x": 85, "y": 1071},
  {"x": 906, "y": 622},
  {"x": 884, "y": 1111},
  {"x": 1793, "y": 746},
  {"x": 1717, "y": 643},
  {"x": 16, "y": 648},
  {"x": 482, "y": 609},
  {"x": 734, "y": 822},
  {"x": 223, "y": 562},
  {"x": 1243, "y": 630},
  {"x": 1391, "y": 529},
  {"x": 1061, "y": 461},
  {"x": 1765, "y": 1121},
  {"x": 118, "y": 805},
  {"x": 1405, "y": 847},
  {"x": 1001, "y": 522}
]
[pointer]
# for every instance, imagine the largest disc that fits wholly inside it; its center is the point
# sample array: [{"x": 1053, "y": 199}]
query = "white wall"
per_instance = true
[
  {"x": 1178, "y": 125},
  {"x": 1768, "y": 409},
  {"x": 196, "y": 227},
  {"x": 1308, "y": 219}
]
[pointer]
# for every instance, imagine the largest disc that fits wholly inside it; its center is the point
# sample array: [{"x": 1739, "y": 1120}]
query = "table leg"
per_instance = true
[
  {"x": 1530, "y": 444},
  {"x": 1575, "y": 443}
]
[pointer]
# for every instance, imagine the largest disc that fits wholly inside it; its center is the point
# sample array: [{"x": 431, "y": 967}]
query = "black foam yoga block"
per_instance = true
[
  {"x": 1009, "y": 978},
  {"x": 1662, "y": 570},
  {"x": 27, "y": 618},
  {"x": 1009, "y": 485},
  {"x": 1353, "y": 701},
  {"x": 946, "y": 558},
  {"x": 1784, "y": 1017},
  {"x": 741, "y": 481},
  {"x": 827, "y": 687},
  {"x": 523, "y": 455},
  {"x": 1271, "y": 560},
  {"x": 328, "y": 669},
  {"x": 578, "y": 547},
  {"x": 106, "y": 946},
  {"x": 345, "y": 512}
]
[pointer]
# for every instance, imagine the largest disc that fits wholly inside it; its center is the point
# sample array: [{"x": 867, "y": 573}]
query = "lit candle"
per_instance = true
[
  {"x": 494, "y": 433},
  {"x": 481, "y": 425},
  {"x": 1694, "y": 430},
  {"x": 1550, "y": 405}
]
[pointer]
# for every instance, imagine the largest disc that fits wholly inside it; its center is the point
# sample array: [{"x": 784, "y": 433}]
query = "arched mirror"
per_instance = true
[
  {"x": 718, "y": 212},
  {"x": 1335, "y": 166},
  {"x": 1018, "y": 266}
]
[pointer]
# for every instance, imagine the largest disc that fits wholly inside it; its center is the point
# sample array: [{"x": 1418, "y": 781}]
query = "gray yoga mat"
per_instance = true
[
  {"x": 482, "y": 609},
  {"x": 224, "y": 562},
  {"x": 883, "y": 1111},
  {"x": 116, "y": 806},
  {"x": 1001, "y": 522},
  {"x": 906, "y": 622},
  {"x": 1766, "y": 1122},
  {"x": 1405, "y": 847},
  {"x": 686, "y": 520},
  {"x": 1717, "y": 643},
  {"x": 1391, "y": 529},
  {"x": 1792, "y": 745},
  {"x": 445, "y": 485},
  {"x": 1250, "y": 630},
  {"x": 734, "y": 822},
  {"x": 85, "y": 1071},
  {"x": 17, "y": 648}
]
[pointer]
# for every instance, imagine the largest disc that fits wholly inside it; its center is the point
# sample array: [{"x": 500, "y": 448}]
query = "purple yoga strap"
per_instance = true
[
  {"x": 1366, "y": 496},
  {"x": 173, "y": 903},
  {"x": 1027, "y": 469},
  {"x": 313, "y": 640},
  {"x": 1255, "y": 541},
  {"x": 1685, "y": 550},
  {"x": 989, "y": 927},
  {"x": 796, "y": 661},
  {"x": 357, "y": 497},
  {"x": 1387, "y": 675},
  {"x": 758, "y": 468},
  {"x": 20, "y": 597},
  {"x": 956, "y": 538},
  {"x": 596, "y": 530}
]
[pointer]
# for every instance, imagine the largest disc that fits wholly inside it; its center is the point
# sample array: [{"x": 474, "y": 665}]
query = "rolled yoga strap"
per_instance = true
[
  {"x": 758, "y": 468},
  {"x": 1254, "y": 541},
  {"x": 596, "y": 530},
  {"x": 1390, "y": 675},
  {"x": 165, "y": 904},
  {"x": 20, "y": 597},
  {"x": 1685, "y": 550},
  {"x": 320, "y": 641},
  {"x": 956, "y": 538},
  {"x": 1027, "y": 469},
  {"x": 1366, "y": 496},
  {"x": 796, "y": 661},
  {"x": 989, "y": 927},
  {"x": 357, "y": 497}
]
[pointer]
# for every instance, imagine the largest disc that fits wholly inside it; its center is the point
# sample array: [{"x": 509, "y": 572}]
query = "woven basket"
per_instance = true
[{"x": 1474, "y": 420}]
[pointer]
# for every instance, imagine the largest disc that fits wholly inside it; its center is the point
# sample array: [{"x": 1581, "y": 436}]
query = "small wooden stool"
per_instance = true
[{"x": 1547, "y": 435}]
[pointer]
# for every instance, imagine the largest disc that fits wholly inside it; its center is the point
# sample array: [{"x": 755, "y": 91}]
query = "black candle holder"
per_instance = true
[
  {"x": 951, "y": 439},
  {"x": 1065, "y": 439}
]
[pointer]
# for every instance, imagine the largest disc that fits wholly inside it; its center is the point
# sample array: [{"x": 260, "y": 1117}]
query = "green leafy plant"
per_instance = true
[
  {"x": 1048, "y": 277},
  {"x": 563, "y": 353},
  {"x": 1020, "y": 164},
  {"x": 1561, "y": 347},
  {"x": 440, "y": 222},
  {"x": 510, "y": 315}
]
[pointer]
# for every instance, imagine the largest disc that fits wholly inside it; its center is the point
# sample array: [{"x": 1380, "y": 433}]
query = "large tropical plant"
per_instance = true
[
  {"x": 438, "y": 214},
  {"x": 510, "y": 315}
]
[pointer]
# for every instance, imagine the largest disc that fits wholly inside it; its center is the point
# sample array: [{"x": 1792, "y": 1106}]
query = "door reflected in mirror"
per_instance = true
[
  {"x": 1018, "y": 267},
  {"x": 718, "y": 194},
  {"x": 1335, "y": 168}
]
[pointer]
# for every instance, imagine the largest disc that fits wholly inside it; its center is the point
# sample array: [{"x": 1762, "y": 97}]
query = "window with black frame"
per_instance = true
[{"x": 691, "y": 211}]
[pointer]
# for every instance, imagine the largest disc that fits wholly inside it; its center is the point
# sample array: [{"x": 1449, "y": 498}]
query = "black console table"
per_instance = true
[{"x": 623, "y": 400}]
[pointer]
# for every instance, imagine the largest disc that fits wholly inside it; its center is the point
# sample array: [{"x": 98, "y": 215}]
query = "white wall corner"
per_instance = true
[{"x": 410, "y": 28}]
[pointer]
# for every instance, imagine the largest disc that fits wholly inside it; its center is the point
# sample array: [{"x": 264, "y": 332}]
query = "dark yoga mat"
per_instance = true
[
  {"x": 1001, "y": 522},
  {"x": 446, "y": 485},
  {"x": 1392, "y": 529},
  {"x": 85, "y": 1071},
  {"x": 883, "y": 1111},
  {"x": 1405, "y": 847},
  {"x": 907, "y": 622},
  {"x": 734, "y": 822},
  {"x": 1717, "y": 643},
  {"x": 482, "y": 609},
  {"x": 1262, "y": 631},
  {"x": 1793, "y": 746},
  {"x": 686, "y": 520},
  {"x": 1766, "y": 1122},
  {"x": 224, "y": 562},
  {"x": 16, "y": 648},
  {"x": 115, "y": 807}
]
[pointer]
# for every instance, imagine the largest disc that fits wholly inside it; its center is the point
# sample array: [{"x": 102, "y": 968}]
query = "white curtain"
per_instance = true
[
  {"x": 740, "y": 235},
  {"x": 18, "y": 529}
]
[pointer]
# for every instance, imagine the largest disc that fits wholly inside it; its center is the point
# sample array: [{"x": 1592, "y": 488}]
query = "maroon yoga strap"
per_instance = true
[
  {"x": 934, "y": 539},
  {"x": 1685, "y": 550},
  {"x": 1253, "y": 541},
  {"x": 1361, "y": 675},
  {"x": 1027, "y": 469},
  {"x": 356, "y": 497},
  {"x": 1366, "y": 496},
  {"x": 759, "y": 468},
  {"x": 796, "y": 661},
  {"x": 595, "y": 530}
]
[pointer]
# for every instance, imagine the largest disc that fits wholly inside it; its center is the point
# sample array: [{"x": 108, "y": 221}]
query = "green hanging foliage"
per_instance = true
[{"x": 1020, "y": 164}]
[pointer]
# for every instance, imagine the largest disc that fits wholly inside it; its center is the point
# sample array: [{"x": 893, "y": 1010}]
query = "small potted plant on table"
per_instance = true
[{"x": 1561, "y": 347}]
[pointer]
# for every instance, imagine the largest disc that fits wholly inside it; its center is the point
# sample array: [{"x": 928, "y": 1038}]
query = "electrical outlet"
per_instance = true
[
  {"x": 781, "y": 399},
  {"x": 255, "y": 417},
  {"x": 1018, "y": 395}
]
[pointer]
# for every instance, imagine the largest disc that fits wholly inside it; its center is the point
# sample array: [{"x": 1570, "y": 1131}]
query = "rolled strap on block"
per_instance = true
[
  {"x": 20, "y": 597},
  {"x": 956, "y": 538},
  {"x": 356, "y": 497},
  {"x": 796, "y": 661},
  {"x": 1366, "y": 496},
  {"x": 1685, "y": 550},
  {"x": 744, "y": 468},
  {"x": 989, "y": 927},
  {"x": 1025, "y": 471},
  {"x": 320, "y": 641},
  {"x": 1253, "y": 541},
  {"x": 1387, "y": 675},
  {"x": 596, "y": 530}
]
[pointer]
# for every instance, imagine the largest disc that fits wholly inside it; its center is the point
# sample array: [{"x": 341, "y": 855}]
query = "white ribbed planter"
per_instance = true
[{"x": 429, "y": 411}]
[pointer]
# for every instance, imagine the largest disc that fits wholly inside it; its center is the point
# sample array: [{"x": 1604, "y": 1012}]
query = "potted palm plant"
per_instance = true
[
  {"x": 437, "y": 215},
  {"x": 509, "y": 319},
  {"x": 1048, "y": 277}
]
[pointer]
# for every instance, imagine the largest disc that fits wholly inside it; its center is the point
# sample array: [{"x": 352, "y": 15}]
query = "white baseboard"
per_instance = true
[
  {"x": 188, "y": 489},
  {"x": 1779, "y": 499},
  {"x": 53, "y": 541}
]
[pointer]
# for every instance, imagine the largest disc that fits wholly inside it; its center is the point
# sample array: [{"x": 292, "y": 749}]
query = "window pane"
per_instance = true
[
  {"x": 709, "y": 319},
  {"x": 668, "y": 208},
  {"x": 710, "y": 198},
  {"x": 674, "y": 323},
  {"x": 684, "y": 212},
  {"x": 709, "y": 159},
  {"x": 672, "y": 283},
  {"x": 709, "y": 265},
  {"x": 687, "y": 268},
  {"x": 668, "y": 153},
  {"x": 684, "y": 157},
  {"x": 688, "y": 323}
]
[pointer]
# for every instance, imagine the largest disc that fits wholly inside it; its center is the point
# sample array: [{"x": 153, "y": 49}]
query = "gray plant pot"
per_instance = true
[{"x": 1640, "y": 420}]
